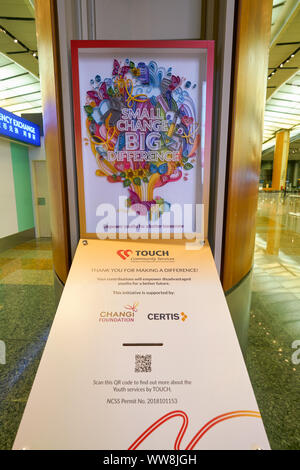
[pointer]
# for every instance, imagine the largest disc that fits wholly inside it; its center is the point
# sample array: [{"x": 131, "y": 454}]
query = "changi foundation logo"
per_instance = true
[
  {"x": 127, "y": 315},
  {"x": 145, "y": 255},
  {"x": 168, "y": 316}
]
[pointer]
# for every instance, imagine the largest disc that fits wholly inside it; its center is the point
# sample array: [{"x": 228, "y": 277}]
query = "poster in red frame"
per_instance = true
[{"x": 142, "y": 114}]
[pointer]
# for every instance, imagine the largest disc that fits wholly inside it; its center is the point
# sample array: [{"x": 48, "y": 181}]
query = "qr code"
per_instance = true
[{"x": 143, "y": 363}]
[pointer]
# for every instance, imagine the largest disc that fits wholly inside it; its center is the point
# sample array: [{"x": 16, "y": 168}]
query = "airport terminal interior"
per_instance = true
[{"x": 30, "y": 243}]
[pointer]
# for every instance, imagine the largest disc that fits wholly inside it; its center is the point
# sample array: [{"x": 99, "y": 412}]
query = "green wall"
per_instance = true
[{"x": 22, "y": 182}]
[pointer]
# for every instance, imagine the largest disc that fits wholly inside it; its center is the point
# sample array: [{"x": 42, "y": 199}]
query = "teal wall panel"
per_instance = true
[{"x": 22, "y": 182}]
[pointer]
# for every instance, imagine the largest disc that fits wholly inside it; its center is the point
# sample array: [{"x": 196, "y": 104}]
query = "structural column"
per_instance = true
[
  {"x": 250, "y": 79},
  {"x": 274, "y": 229},
  {"x": 281, "y": 156},
  {"x": 295, "y": 174}
]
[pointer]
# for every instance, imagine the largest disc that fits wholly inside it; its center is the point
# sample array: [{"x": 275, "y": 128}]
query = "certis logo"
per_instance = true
[
  {"x": 124, "y": 254},
  {"x": 168, "y": 316},
  {"x": 124, "y": 316}
]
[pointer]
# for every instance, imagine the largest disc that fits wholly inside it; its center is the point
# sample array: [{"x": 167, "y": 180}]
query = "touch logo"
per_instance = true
[{"x": 124, "y": 254}]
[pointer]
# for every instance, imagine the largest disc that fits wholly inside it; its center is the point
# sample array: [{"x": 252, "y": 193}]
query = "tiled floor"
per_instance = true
[
  {"x": 27, "y": 308},
  {"x": 275, "y": 319}
]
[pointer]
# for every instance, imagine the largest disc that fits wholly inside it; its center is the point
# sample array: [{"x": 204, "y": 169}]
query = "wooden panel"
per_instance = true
[
  {"x": 250, "y": 77},
  {"x": 47, "y": 36}
]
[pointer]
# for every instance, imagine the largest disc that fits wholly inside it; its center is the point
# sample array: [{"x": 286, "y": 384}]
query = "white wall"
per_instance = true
[
  {"x": 145, "y": 19},
  {"x": 8, "y": 212},
  {"x": 37, "y": 153}
]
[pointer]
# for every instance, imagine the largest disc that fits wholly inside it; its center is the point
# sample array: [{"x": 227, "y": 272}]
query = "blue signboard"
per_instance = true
[{"x": 17, "y": 128}]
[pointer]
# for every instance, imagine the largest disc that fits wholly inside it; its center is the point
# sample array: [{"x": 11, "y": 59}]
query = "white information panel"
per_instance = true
[{"x": 142, "y": 354}]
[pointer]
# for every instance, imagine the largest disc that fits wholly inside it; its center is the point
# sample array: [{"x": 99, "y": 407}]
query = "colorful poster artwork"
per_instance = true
[{"x": 143, "y": 130}]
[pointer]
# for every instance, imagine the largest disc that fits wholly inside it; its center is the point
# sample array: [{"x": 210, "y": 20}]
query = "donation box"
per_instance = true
[{"x": 142, "y": 353}]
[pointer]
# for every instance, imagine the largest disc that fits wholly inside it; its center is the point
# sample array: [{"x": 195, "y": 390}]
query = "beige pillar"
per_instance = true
[{"x": 281, "y": 156}]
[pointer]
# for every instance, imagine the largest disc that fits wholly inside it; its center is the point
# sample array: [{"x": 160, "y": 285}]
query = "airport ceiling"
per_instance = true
[
  {"x": 282, "y": 109},
  {"x": 19, "y": 70},
  {"x": 294, "y": 152}
]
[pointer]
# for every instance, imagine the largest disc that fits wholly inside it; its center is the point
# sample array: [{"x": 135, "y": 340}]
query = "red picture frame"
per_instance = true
[{"x": 77, "y": 45}]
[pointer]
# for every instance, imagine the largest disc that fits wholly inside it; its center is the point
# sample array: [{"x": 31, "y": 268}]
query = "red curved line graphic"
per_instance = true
[
  {"x": 210, "y": 424},
  {"x": 178, "y": 413},
  {"x": 158, "y": 423}
]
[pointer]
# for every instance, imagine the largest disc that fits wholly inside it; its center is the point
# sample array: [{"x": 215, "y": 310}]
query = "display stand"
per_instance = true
[{"x": 142, "y": 353}]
